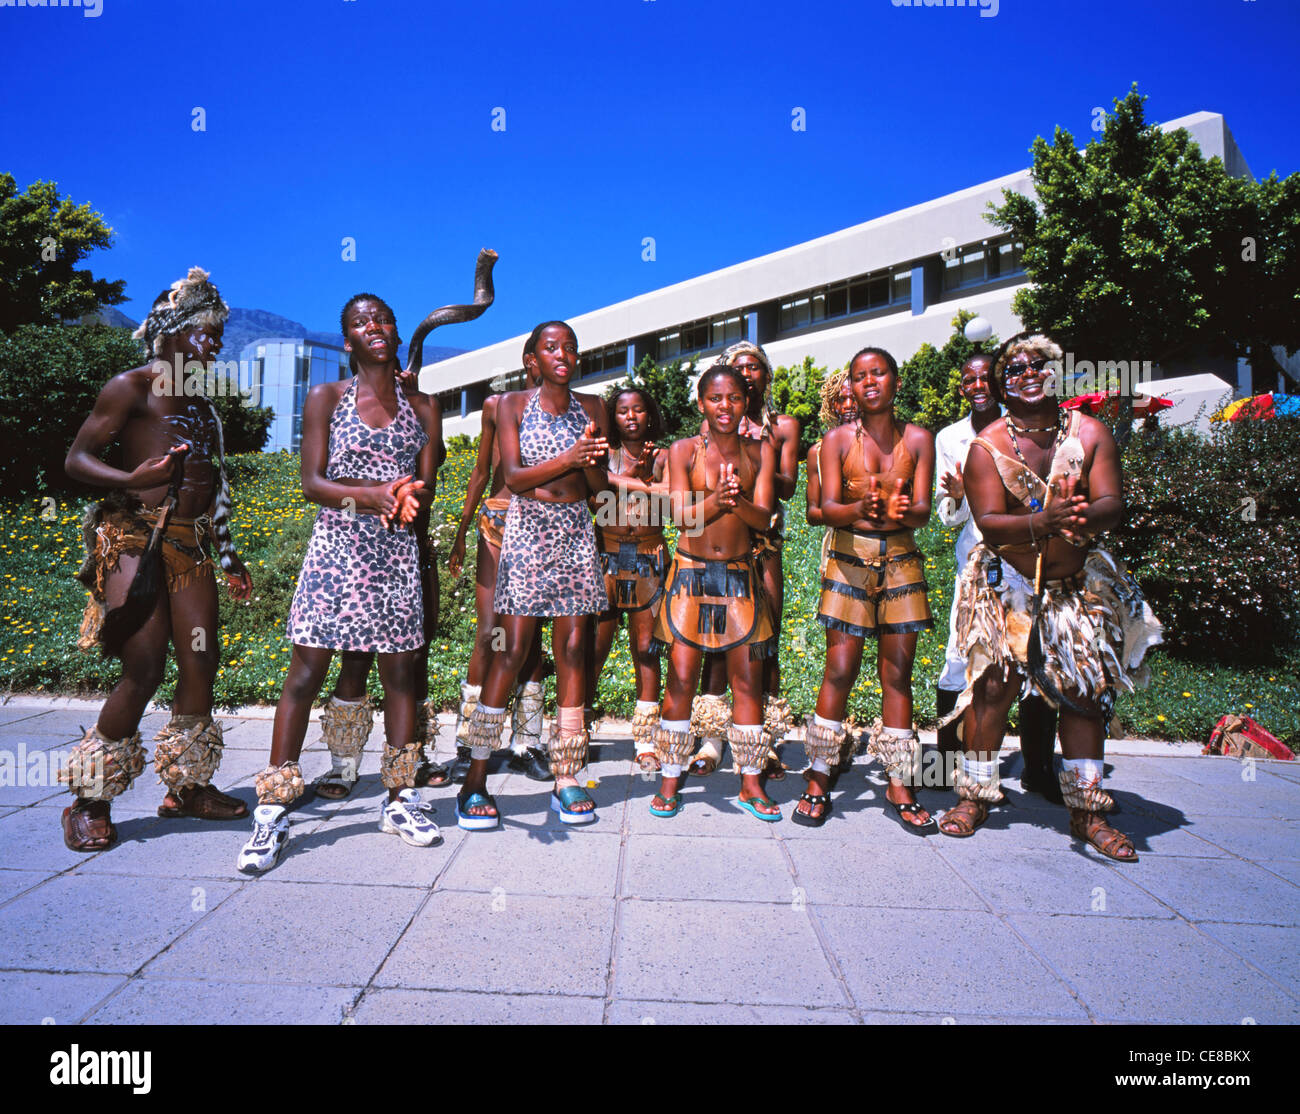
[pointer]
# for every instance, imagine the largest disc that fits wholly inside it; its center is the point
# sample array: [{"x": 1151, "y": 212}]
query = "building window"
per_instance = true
[{"x": 842, "y": 299}]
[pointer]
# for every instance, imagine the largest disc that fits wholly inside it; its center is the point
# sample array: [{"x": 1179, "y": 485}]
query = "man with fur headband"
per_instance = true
[
  {"x": 149, "y": 569},
  {"x": 1039, "y": 604}
]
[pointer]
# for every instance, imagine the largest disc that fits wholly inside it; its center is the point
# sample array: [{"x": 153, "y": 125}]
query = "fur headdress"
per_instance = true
[
  {"x": 732, "y": 353},
  {"x": 191, "y": 301}
]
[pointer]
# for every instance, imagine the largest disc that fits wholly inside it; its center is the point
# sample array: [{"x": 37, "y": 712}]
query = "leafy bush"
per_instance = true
[
  {"x": 1213, "y": 534},
  {"x": 50, "y": 376}
]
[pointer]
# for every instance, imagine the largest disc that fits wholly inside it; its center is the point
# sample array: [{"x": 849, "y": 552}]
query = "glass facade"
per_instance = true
[
  {"x": 977, "y": 264},
  {"x": 862, "y": 294},
  {"x": 282, "y": 371}
]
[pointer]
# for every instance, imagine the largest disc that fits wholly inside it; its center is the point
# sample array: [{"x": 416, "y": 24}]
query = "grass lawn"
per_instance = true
[{"x": 40, "y": 549}]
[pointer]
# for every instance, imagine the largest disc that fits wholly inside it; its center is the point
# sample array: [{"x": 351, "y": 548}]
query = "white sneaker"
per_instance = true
[
  {"x": 408, "y": 817},
  {"x": 270, "y": 834}
]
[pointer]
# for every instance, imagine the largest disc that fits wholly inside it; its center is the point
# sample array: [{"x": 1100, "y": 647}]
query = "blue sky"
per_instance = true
[{"x": 624, "y": 119}]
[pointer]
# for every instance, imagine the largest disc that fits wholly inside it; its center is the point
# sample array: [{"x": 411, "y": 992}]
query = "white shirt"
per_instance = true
[{"x": 951, "y": 445}]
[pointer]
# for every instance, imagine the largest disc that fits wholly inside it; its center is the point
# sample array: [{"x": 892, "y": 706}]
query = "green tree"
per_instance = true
[
  {"x": 797, "y": 391},
  {"x": 1135, "y": 249},
  {"x": 928, "y": 380},
  {"x": 42, "y": 238}
]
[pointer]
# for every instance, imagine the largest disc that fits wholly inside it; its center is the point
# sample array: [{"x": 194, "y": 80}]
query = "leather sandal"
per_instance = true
[
  {"x": 774, "y": 770},
  {"x": 963, "y": 819},
  {"x": 647, "y": 761},
  {"x": 703, "y": 767},
  {"x": 1096, "y": 831},
  {"x": 429, "y": 775},
  {"x": 88, "y": 826},
  {"x": 204, "y": 802}
]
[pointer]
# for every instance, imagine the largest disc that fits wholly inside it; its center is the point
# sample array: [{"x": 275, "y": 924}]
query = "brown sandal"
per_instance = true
[
  {"x": 961, "y": 817},
  {"x": 647, "y": 761},
  {"x": 774, "y": 770},
  {"x": 703, "y": 767},
  {"x": 1094, "y": 829},
  {"x": 88, "y": 826},
  {"x": 204, "y": 802}
]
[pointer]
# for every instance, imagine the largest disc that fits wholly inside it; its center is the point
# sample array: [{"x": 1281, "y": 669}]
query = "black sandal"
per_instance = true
[
  {"x": 807, "y": 819},
  {"x": 911, "y": 809}
]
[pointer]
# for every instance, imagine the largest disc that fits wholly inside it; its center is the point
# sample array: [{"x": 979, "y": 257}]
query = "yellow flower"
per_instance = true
[{"x": 1161, "y": 718}]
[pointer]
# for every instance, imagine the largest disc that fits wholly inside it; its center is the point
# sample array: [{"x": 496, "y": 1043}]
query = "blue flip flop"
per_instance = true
[
  {"x": 748, "y": 806},
  {"x": 471, "y": 823},
  {"x": 562, "y": 799},
  {"x": 675, "y": 806}
]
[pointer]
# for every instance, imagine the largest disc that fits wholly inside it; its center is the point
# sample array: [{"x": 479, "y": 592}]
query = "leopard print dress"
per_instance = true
[
  {"x": 548, "y": 560},
  {"x": 360, "y": 587}
]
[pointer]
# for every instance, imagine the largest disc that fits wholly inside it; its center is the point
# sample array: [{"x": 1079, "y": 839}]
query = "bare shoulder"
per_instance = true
[
  {"x": 1093, "y": 431},
  {"x": 787, "y": 427},
  {"x": 511, "y": 406},
  {"x": 329, "y": 393},
  {"x": 838, "y": 439},
  {"x": 917, "y": 437}
]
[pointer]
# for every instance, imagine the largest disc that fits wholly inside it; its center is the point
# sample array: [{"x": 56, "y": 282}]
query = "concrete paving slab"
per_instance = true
[
  {"x": 1046, "y": 882},
  {"x": 35, "y": 998},
  {"x": 707, "y": 810},
  {"x": 1250, "y": 839},
  {"x": 350, "y": 848},
  {"x": 194, "y": 1002},
  {"x": 443, "y": 1007},
  {"x": 1288, "y": 868},
  {"x": 15, "y": 882},
  {"x": 850, "y": 872},
  {"x": 1268, "y": 947},
  {"x": 1223, "y": 772},
  {"x": 100, "y": 923},
  {"x": 624, "y": 1012},
  {"x": 32, "y": 838},
  {"x": 1219, "y": 890},
  {"x": 723, "y": 869},
  {"x": 490, "y": 942},
  {"x": 913, "y": 960},
  {"x": 876, "y": 1017},
  {"x": 1166, "y": 973},
  {"x": 702, "y": 951},
  {"x": 184, "y": 848},
  {"x": 21, "y": 796},
  {"x": 320, "y": 935},
  {"x": 504, "y": 861}
]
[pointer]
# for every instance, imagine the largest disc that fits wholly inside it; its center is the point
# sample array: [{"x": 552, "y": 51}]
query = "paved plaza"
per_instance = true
[{"x": 712, "y": 916}]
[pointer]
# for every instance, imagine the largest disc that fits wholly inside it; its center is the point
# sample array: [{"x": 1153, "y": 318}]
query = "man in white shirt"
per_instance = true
[{"x": 1037, "y": 717}]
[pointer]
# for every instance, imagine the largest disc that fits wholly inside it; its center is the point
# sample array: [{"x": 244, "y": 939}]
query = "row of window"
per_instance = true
[
  {"x": 980, "y": 263},
  {"x": 700, "y": 336},
  {"x": 839, "y": 299}
]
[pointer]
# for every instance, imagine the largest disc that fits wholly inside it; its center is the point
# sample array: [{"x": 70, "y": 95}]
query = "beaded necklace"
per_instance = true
[{"x": 1029, "y": 475}]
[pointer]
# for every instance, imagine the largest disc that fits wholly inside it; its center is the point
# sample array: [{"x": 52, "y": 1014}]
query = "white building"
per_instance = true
[{"x": 894, "y": 282}]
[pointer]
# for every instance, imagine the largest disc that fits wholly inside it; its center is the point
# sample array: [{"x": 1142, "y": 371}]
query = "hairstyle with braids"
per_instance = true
[
  {"x": 832, "y": 386},
  {"x": 731, "y": 354}
]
